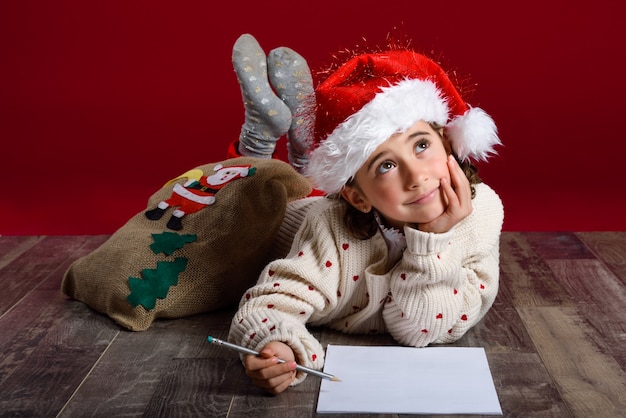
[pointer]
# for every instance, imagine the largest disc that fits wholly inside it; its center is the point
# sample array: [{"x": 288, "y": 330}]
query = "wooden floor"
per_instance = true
[{"x": 555, "y": 340}]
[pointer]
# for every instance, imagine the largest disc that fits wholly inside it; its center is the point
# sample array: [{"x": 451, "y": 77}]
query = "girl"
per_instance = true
[{"x": 406, "y": 240}]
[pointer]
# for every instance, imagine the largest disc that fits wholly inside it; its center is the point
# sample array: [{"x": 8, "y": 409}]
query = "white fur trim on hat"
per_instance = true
[{"x": 396, "y": 108}]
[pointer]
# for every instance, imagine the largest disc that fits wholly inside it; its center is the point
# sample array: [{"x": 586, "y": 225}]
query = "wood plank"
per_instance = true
[
  {"x": 589, "y": 282},
  {"x": 500, "y": 331},
  {"x": 524, "y": 386},
  {"x": 610, "y": 247},
  {"x": 526, "y": 278},
  {"x": 298, "y": 401},
  {"x": 195, "y": 388},
  {"x": 162, "y": 369},
  {"x": 11, "y": 247},
  {"x": 13, "y": 323},
  {"x": 590, "y": 382},
  {"x": 557, "y": 245},
  {"x": 601, "y": 299},
  {"x": 49, "y": 256},
  {"x": 48, "y": 345},
  {"x": 48, "y": 342}
]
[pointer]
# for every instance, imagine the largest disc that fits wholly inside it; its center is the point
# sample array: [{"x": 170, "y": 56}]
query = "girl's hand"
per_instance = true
[
  {"x": 459, "y": 196},
  {"x": 265, "y": 370}
]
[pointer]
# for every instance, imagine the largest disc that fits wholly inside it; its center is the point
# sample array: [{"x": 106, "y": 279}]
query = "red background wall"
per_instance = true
[{"x": 101, "y": 102}]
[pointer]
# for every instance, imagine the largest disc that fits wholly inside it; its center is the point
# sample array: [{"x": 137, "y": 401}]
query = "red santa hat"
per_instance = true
[{"x": 373, "y": 96}]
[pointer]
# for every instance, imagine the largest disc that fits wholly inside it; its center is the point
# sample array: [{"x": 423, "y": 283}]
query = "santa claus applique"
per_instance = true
[{"x": 197, "y": 193}]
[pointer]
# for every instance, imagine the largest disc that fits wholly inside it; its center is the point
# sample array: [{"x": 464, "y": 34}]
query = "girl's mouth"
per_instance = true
[{"x": 425, "y": 198}]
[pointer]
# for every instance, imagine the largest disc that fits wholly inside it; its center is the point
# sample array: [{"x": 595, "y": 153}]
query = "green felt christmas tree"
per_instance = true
[
  {"x": 168, "y": 242},
  {"x": 155, "y": 283}
]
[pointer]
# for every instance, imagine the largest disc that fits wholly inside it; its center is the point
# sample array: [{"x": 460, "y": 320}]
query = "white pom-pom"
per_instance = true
[{"x": 473, "y": 135}]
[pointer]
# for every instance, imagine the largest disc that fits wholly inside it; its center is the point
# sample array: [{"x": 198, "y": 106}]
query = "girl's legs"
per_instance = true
[{"x": 267, "y": 117}]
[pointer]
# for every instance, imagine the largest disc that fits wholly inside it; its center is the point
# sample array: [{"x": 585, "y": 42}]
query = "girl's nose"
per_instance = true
[{"x": 415, "y": 176}]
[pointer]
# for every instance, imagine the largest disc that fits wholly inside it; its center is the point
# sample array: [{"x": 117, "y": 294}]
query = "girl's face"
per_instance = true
[{"x": 401, "y": 178}]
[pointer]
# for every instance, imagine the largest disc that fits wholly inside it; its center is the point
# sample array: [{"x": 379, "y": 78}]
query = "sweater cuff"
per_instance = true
[{"x": 420, "y": 242}]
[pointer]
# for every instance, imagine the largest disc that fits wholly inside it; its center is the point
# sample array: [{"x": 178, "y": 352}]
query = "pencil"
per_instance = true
[{"x": 245, "y": 350}]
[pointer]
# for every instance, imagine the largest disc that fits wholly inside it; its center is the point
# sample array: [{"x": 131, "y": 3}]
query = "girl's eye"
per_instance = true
[
  {"x": 422, "y": 145},
  {"x": 385, "y": 167}
]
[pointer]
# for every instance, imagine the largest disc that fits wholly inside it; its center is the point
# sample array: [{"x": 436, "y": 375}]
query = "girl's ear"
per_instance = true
[{"x": 354, "y": 196}]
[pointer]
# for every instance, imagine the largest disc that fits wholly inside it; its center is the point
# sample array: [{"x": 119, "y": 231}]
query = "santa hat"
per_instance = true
[{"x": 373, "y": 96}]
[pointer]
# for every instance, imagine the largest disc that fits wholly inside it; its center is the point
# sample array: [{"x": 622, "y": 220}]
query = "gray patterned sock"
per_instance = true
[
  {"x": 267, "y": 118},
  {"x": 290, "y": 76}
]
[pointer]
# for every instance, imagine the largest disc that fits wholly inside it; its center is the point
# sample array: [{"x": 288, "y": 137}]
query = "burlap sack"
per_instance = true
[{"x": 147, "y": 270}]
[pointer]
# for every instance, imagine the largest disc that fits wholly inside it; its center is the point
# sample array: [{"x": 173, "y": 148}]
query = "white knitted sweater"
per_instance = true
[{"x": 432, "y": 292}]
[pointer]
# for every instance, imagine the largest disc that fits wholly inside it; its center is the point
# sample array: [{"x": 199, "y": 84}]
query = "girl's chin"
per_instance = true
[
  {"x": 430, "y": 216},
  {"x": 423, "y": 217}
]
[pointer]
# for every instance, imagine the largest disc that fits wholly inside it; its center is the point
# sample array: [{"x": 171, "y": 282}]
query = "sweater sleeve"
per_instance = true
[
  {"x": 289, "y": 292},
  {"x": 445, "y": 283}
]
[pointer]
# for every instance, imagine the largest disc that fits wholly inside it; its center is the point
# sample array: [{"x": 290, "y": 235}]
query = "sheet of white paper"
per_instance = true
[{"x": 406, "y": 380}]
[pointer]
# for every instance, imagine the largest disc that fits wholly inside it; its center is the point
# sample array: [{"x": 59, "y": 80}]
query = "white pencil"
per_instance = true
[{"x": 245, "y": 350}]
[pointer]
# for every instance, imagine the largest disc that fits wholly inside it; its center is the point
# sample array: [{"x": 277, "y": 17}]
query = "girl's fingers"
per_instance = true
[
  {"x": 459, "y": 181},
  {"x": 453, "y": 199},
  {"x": 458, "y": 193},
  {"x": 266, "y": 368},
  {"x": 275, "y": 378},
  {"x": 275, "y": 385}
]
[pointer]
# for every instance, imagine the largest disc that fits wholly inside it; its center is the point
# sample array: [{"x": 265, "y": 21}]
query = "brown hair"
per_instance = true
[{"x": 364, "y": 226}]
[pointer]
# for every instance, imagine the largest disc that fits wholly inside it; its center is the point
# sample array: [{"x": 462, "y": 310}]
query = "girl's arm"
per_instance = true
[
  {"x": 288, "y": 293},
  {"x": 445, "y": 283}
]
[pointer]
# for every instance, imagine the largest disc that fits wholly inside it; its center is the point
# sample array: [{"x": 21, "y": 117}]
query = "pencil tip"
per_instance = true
[{"x": 335, "y": 379}]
